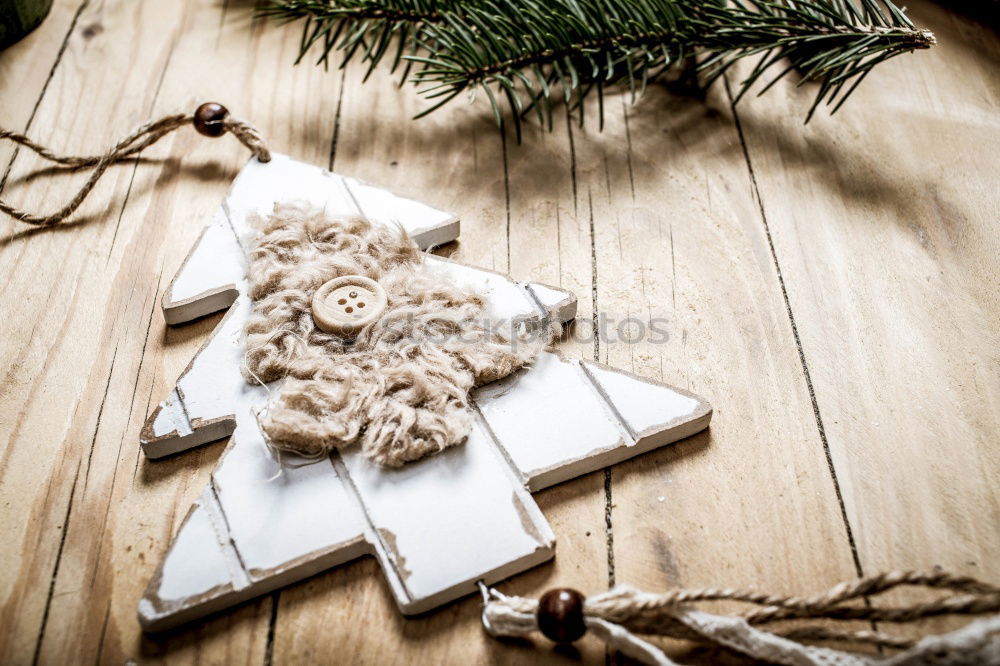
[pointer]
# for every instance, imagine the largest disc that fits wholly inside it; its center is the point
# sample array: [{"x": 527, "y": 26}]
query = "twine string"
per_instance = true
[
  {"x": 617, "y": 616},
  {"x": 127, "y": 148}
]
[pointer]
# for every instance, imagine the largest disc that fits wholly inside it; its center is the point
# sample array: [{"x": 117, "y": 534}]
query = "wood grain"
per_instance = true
[
  {"x": 832, "y": 289},
  {"x": 27, "y": 69},
  {"x": 679, "y": 246},
  {"x": 883, "y": 227},
  {"x": 81, "y": 347},
  {"x": 461, "y": 171}
]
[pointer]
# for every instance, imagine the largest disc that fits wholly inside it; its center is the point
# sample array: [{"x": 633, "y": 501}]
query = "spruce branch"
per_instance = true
[
  {"x": 530, "y": 53},
  {"x": 349, "y": 25}
]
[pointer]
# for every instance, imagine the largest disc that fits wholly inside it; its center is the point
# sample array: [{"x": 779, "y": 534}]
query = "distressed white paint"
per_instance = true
[
  {"x": 651, "y": 411},
  {"x": 449, "y": 520},
  {"x": 279, "y": 515},
  {"x": 198, "y": 542},
  {"x": 428, "y": 227},
  {"x": 215, "y": 260},
  {"x": 201, "y": 407},
  {"x": 212, "y": 275},
  {"x": 196, "y": 576},
  {"x": 203, "y": 571},
  {"x": 507, "y": 300},
  {"x": 214, "y": 383},
  {"x": 170, "y": 419},
  {"x": 554, "y": 300},
  {"x": 436, "y": 526},
  {"x": 549, "y": 417},
  {"x": 563, "y": 418}
]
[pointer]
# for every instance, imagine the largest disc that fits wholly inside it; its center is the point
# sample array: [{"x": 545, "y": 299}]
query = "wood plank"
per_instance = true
[
  {"x": 561, "y": 418},
  {"x": 550, "y": 237},
  {"x": 127, "y": 511},
  {"x": 883, "y": 221},
  {"x": 463, "y": 171},
  {"x": 86, "y": 350},
  {"x": 680, "y": 254},
  {"x": 76, "y": 346},
  {"x": 26, "y": 67},
  {"x": 447, "y": 521},
  {"x": 249, "y": 74}
]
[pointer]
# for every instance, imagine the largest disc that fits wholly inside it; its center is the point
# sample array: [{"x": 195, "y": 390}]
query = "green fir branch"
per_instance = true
[
  {"x": 356, "y": 27},
  {"x": 526, "y": 54}
]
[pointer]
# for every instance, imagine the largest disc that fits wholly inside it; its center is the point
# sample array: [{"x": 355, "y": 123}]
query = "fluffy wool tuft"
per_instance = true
[{"x": 401, "y": 387}]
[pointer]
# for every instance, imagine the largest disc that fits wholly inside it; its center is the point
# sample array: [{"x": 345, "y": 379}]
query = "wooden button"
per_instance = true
[
  {"x": 347, "y": 304},
  {"x": 560, "y": 615}
]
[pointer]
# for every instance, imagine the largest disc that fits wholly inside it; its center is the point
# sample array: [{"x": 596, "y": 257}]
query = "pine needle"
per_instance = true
[{"x": 527, "y": 55}]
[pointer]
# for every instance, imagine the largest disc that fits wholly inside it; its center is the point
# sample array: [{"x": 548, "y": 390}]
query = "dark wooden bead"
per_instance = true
[
  {"x": 209, "y": 119},
  {"x": 560, "y": 615}
]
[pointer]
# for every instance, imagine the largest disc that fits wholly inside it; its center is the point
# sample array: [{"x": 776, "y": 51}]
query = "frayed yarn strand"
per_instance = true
[
  {"x": 617, "y": 616},
  {"x": 128, "y": 148}
]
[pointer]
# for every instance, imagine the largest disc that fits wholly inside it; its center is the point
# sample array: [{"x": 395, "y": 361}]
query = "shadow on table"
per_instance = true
[{"x": 111, "y": 212}]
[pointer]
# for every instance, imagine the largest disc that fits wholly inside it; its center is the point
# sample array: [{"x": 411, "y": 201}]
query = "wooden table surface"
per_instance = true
[{"x": 831, "y": 288}]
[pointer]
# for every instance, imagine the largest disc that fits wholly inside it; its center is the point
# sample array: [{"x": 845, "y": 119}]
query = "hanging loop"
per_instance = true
[{"x": 210, "y": 119}]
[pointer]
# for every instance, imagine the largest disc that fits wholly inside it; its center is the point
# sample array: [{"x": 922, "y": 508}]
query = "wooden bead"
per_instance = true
[
  {"x": 560, "y": 615},
  {"x": 209, "y": 119}
]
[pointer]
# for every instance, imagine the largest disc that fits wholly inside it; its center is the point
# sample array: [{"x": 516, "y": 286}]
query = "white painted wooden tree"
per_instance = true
[{"x": 436, "y": 526}]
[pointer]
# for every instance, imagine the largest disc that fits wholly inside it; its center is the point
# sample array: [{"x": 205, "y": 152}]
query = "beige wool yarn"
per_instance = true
[{"x": 400, "y": 388}]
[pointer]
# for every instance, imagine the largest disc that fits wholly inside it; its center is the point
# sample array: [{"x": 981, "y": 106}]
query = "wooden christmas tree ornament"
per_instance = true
[{"x": 260, "y": 525}]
